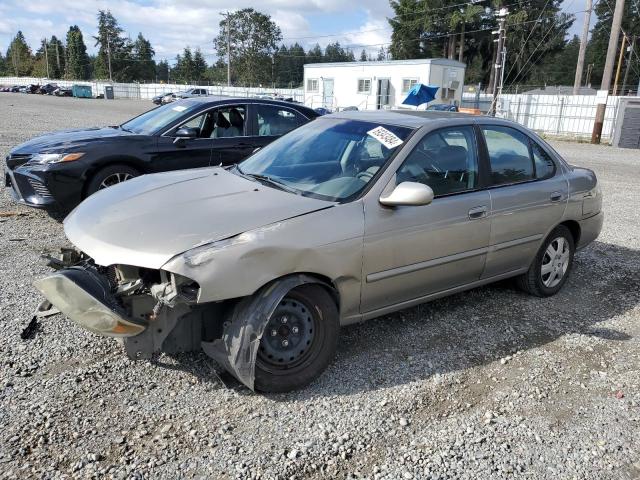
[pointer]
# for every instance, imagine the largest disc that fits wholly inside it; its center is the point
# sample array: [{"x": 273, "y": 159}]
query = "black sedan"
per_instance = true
[{"x": 59, "y": 170}]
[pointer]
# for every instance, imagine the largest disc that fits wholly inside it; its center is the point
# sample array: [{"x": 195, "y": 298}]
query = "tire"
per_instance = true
[
  {"x": 557, "y": 267},
  {"x": 311, "y": 327},
  {"x": 108, "y": 175}
]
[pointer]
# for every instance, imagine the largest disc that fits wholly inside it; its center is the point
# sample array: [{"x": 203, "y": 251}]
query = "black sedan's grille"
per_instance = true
[{"x": 39, "y": 188}]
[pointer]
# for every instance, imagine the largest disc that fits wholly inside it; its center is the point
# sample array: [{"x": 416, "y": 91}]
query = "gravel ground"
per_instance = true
[{"x": 491, "y": 383}]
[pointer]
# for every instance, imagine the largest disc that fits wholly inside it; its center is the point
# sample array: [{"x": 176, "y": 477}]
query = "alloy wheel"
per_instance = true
[
  {"x": 555, "y": 262},
  {"x": 114, "y": 179}
]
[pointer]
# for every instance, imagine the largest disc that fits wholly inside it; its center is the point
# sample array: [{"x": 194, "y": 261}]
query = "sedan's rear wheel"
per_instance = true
[
  {"x": 299, "y": 340},
  {"x": 550, "y": 269}
]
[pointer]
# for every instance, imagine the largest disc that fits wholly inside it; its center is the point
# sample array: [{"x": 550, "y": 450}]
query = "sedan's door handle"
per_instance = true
[
  {"x": 478, "y": 212},
  {"x": 556, "y": 196}
]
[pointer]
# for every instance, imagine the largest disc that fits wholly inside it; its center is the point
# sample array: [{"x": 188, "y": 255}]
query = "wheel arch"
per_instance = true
[
  {"x": 106, "y": 162},
  {"x": 574, "y": 228}
]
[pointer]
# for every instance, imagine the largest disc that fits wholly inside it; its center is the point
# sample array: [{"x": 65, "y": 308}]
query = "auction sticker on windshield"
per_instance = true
[
  {"x": 385, "y": 137},
  {"x": 179, "y": 108}
]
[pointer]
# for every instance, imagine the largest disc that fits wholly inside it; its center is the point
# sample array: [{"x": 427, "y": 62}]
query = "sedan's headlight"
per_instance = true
[{"x": 44, "y": 158}]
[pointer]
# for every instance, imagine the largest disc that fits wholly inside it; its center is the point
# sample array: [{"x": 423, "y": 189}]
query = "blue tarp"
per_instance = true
[{"x": 420, "y": 94}]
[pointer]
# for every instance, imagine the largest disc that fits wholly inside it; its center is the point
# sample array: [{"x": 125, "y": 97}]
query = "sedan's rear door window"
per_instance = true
[
  {"x": 509, "y": 155},
  {"x": 274, "y": 121}
]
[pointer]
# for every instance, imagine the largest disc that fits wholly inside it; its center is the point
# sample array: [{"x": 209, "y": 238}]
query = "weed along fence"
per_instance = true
[
  {"x": 146, "y": 91},
  {"x": 569, "y": 116}
]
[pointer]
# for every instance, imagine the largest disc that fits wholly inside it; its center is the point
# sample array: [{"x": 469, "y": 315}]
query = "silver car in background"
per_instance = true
[{"x": 352, "y": 216}]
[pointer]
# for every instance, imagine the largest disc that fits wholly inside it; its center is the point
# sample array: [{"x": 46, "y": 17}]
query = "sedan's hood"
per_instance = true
[
  {"x": 150, "y": 219},
  {"x": 57, "y": 142}
]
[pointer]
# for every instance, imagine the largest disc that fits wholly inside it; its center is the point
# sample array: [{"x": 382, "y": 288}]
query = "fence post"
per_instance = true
[{"x": 560, "y": 115}]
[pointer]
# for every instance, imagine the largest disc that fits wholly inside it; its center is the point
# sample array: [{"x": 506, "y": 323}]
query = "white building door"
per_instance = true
[
  {"x": 383, "y": 93},
  {"x": 327, "y": 93}
]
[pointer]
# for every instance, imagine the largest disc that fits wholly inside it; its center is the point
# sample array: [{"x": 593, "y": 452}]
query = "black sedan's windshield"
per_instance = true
[
  {"x": 330, "y": 159},
  {"x": 158, "y": 118}
]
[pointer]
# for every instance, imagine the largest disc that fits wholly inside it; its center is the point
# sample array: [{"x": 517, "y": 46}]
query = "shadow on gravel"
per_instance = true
[
  {"x": 481, "y": 326},
  {"x": 465, "y": 330}
]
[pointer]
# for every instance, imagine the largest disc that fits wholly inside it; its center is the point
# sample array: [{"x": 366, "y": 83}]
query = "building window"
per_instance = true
[
  {"x": 312, "y": 85},
  {"x": 364, "y": 85},
  {"x": 407, "y": 83}
]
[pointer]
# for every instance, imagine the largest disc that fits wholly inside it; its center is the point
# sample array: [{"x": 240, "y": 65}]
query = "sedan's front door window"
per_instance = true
[
  {"x": 229, "y": 122},
  {"x": 445, "y": 160},
  {"x": 508, "y": 155}
]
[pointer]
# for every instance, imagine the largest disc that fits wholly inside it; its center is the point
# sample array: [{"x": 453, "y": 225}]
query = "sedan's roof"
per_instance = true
[{"x": 411, "y": 118}]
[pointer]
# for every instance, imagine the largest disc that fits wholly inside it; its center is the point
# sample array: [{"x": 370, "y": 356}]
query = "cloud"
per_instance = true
[{"x": 171, "y": 25}]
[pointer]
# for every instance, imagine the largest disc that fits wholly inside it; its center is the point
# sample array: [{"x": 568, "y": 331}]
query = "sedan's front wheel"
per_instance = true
[
  {"x": 110, "y": 176},
  {"x": 299, "y": 340},
  {"x": 550, "y": 269}
]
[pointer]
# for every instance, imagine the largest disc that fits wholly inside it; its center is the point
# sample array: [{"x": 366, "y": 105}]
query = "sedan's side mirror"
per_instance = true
[
  {"x": 407, "y": 194},
  {"x": 185, "y": 133}
]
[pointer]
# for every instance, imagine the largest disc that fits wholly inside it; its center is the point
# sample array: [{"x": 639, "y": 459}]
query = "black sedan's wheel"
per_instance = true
[
  {"x": 550, "y": 269},
  {"x": 110, "y": 176},
  {"x": 299, "y": 340}
]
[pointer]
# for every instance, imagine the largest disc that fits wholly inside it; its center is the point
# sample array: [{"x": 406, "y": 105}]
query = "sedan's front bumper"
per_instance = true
[
  {"x": 83, "y": 296},
  {"x": 27, "y": 188}
]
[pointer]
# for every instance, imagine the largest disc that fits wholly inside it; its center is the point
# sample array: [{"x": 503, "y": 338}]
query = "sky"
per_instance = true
[{"x": 171, "y": 25}]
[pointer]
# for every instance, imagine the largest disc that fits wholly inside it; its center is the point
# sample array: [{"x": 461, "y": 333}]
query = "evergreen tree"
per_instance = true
[
  {"x": 162, "y": 71},
  {"x": 254, "y": 38},
  {"x": 363, "y": 55},
  {"x": 111, "y": 43},
  {"x": 77, "y": 65},
  {"x": 143, "y": 53},
  {"x": 382, "y": 55},
  {"x": 199, "y": 67},
  {"x": 19, "y": 56},
  {"x": 315, "y": 55}
]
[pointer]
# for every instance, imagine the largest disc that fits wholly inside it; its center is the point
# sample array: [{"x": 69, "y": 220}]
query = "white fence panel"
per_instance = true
[
  {"x": 560, "y": 115},
  {"x": 146, "y": 91}
]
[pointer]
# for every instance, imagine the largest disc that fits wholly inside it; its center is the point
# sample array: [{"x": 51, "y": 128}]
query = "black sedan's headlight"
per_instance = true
[{"x": 47, "y": 158}]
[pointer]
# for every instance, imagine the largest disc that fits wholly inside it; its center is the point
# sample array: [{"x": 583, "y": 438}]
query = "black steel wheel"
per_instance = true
[{"x": 299, "y": 340}]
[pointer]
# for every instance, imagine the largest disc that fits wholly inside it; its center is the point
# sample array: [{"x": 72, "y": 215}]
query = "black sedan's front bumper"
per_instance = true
[
  {"x": 45, "y": 186},
  {"x": 28, "y": 189}
]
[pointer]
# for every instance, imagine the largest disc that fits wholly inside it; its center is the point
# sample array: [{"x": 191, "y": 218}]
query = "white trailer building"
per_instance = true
[{"x": 380, "y": 85}]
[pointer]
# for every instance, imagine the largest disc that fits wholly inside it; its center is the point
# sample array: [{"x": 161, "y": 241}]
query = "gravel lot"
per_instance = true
[{"x": 490, "y": 383}]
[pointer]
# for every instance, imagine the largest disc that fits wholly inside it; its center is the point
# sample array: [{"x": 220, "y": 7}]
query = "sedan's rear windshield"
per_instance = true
[
  {"x": 157, "y": 119},
  {"x": 331, "y": 159}
]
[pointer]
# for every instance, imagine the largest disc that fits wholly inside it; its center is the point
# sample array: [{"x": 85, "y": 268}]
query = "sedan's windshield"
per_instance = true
[
  {"x": 330, "y": 159},
  {"x": 158, "y": 118}
]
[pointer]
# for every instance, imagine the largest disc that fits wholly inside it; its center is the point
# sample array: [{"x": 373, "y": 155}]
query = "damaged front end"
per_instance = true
[
  {"x": 139, "y": 305},
  {"x": 156, "y": 310}
]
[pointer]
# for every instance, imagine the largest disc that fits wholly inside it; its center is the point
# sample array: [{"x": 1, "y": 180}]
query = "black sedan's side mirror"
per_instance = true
[{"x": 185, "y": 133}]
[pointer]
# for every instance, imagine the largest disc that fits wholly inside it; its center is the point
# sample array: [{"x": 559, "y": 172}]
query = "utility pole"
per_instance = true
[
  {"x": 628, "y": 66},
  {"x": 109, "y": 57},
  {"x": 583, "y": 47},
  {"x": 608, "y": 70},
  {"x": 500, "y": 58},
  {"x": 227, "y": 17},
  {"x": 58, "y": 57},
  {"x": 587, "y": 79},
  {"x": 46, "y": 55},
  {"x": 620, "y": 59}
]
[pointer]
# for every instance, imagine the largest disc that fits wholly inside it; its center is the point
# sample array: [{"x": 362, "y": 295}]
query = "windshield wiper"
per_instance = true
[{"x": 271, "y": 181}]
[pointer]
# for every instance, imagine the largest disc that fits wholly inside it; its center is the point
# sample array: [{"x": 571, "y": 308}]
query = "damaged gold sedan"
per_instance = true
[{"x": 347, "y": 218}]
